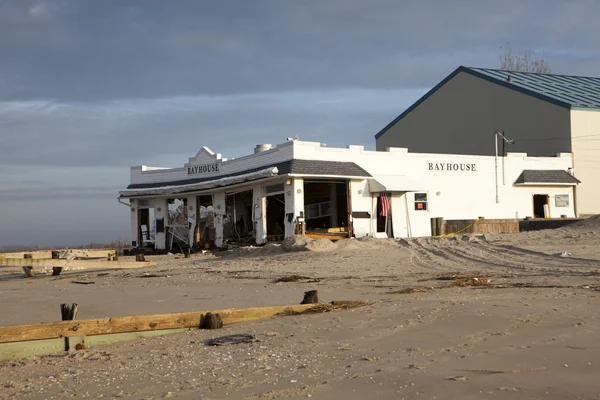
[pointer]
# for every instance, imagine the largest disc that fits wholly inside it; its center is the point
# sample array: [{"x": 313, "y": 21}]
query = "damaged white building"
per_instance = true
[{"x": 300, "y": 186}]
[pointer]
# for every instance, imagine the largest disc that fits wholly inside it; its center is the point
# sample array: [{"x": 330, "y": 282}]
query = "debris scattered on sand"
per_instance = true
[
  {"x": 290, "y": 278},
  {"x": 231, "y": 339}
]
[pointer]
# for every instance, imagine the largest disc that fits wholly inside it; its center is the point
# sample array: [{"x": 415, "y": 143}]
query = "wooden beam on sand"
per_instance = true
[
  {"x": 47, "y": 254},
  {"x": 73, "y": 264},
  {"x": 140, "y": 323}
]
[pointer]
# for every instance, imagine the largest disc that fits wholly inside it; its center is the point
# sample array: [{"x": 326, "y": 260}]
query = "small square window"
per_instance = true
[
  {"x": 561, "y": 200},
  {"x": 421, "y": 201}
]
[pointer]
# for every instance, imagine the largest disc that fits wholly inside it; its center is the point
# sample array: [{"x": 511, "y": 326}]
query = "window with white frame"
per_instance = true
[{"x": 421, "y": 201}]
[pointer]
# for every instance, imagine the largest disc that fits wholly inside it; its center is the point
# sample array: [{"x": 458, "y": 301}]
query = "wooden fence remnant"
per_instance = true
[
  {"x": 211, "y": 321},
  {"x": 69, "y": 312},
  {"x": 311, "y": 297},
  {"x": 27, "y": 270}
]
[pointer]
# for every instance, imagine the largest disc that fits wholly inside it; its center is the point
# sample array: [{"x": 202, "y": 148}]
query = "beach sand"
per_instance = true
[{"x": 496, "y": 316}]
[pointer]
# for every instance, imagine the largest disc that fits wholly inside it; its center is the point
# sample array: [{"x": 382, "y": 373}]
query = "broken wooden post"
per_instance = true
[
  {"x": 56, "y": 271},
  {"x": 27, "y": 270},
  {"x": 310, "y": 297},
  {"x": 67, "y": 312},
  {"x": 140, "y": 257},
  {"x": 211, "y": 321}
]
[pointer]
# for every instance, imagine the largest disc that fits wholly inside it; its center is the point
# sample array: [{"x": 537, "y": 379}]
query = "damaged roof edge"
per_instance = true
[{"x": 210, "y": 184}]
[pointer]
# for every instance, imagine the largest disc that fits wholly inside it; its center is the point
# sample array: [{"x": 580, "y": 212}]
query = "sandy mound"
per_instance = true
[
  {"x": 589, "y": 224},
  {"x": 320, "y": 245},
  {"x": 295, "y": 243},
  {"x": 258, "y": 251}
]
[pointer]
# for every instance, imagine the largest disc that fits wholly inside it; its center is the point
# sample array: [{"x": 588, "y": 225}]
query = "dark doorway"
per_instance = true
[
  {"x": 539, "y": 201},
  {"x": 205, "y": 232},
  {"x": 275, "y": 217},
  {"x": 325, "y": 204},
  {"x": 238, "y": 224}
]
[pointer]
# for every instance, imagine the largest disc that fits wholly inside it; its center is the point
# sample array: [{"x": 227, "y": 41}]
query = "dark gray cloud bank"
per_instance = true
[{"x": 88, "y": 88}]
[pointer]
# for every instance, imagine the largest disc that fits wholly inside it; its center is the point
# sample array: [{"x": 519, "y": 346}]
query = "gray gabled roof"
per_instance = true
[
  {"x": 549, "y": 177},
  {"x": 294, "y": 167},
  {"x": 562, "y": 90}
]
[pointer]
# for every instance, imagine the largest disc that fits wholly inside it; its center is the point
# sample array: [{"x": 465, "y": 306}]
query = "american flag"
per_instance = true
[{"x": 385, "y": 204}]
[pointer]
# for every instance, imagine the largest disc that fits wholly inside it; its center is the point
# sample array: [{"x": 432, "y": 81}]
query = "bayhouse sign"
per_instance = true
[
  {"x": 203, "y": 169},
  {"x": 434, "y": 166}
]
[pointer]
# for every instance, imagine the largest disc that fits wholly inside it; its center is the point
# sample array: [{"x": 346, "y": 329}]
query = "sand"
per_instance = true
[{"x": 468, "y": 317}]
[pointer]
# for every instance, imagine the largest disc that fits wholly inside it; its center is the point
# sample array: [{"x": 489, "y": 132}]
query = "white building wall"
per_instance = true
[
  {"x": 399, "y": 215},
  {"x": 585, "y": 135},
  {"x": 145, "y": 174}
]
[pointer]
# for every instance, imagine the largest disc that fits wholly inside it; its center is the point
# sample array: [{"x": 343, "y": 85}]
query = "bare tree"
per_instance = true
[{"x": 526, "y": 62}]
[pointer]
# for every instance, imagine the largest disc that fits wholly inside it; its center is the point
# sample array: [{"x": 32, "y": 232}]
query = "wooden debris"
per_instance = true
[
  {"x": 27, "y": 271},
  {"x": 211, "y": 321},
  {"x": 311, "y": 297},
  {"x": 510, "y": 371},
  {"x": 69, "y": 313},
  {"x": 75, "y": 264},
  {"x": 290, "y": 278},
  {"x": 231, "y": 339}
]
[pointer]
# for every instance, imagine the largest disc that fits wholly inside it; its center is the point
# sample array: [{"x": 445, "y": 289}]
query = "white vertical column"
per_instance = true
[
  {"x": 134, "y": 222},
  {"x": 219, "y": 206},
  {"x": 191, "y": 216},
  {"x": 259, "y": 203},
  {"x": 160, "y": 212},
  {"x": 294, "y": 203}
]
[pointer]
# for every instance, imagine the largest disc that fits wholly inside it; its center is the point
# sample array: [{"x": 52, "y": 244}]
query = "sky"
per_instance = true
[{"x": 89, "y": 88}]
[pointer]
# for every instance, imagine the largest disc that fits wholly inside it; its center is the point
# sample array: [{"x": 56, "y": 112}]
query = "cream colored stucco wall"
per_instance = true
[
  {"x": 585, "y": 138},
  {"x": 461, "y": 117}
]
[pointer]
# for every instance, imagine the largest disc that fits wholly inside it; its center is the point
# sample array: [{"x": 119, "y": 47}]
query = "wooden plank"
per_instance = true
[
  {"x": 74, "y": 264},
  {"x": 52, "y": 330},
  {"x": 47, "y": 254},
  {"x": 330, "y": 236},
  {"x": 13, "y": 351},
  {"x": 34, "y": 254}
]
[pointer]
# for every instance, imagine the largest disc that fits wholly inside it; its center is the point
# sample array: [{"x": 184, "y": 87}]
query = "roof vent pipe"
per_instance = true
[{"x": 262, "y": 147}]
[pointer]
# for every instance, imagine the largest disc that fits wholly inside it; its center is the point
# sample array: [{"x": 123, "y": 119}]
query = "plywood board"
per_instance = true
[{"x": 13, "y": 351}]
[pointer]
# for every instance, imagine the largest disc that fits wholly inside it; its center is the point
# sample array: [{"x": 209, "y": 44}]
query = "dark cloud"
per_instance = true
[
  {"x": 86, "y": 50},
  {"x": 131, "y": 132}
]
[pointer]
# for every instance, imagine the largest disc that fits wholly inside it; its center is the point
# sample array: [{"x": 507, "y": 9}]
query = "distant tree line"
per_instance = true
[{"x": 525, "y": 62}]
